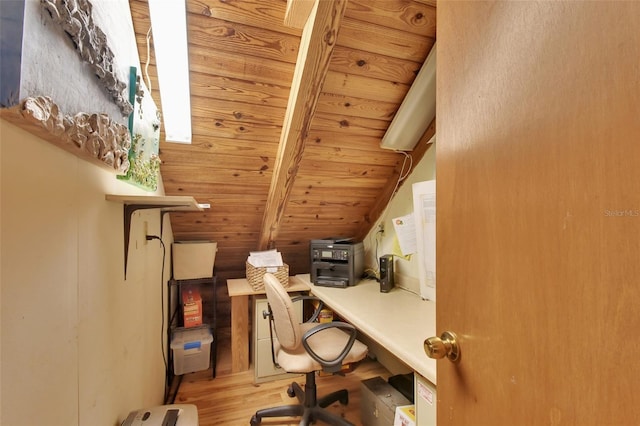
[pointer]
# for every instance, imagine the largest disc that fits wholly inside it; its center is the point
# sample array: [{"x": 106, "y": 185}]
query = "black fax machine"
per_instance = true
[{"x": 336, "y": 262}]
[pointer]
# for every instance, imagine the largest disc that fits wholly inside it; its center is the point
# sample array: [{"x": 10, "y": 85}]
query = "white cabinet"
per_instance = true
[
  {"x": 263, "y": 366},
  {"x": 424, "y": 393}
]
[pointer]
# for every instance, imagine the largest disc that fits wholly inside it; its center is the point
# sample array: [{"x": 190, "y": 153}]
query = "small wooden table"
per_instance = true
[{"x": 239, "y": 292}]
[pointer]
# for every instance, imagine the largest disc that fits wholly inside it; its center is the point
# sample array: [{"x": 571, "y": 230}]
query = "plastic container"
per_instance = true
[{"x": 191, "y": 349}]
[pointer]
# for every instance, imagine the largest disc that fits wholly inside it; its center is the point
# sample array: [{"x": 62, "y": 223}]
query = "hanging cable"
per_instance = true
[
  {"x": 146, "y": 65},
  {"x": 162, "y": 321},
  {"x": 401, "y": 176},
  {"x": 406, "y": 157}
]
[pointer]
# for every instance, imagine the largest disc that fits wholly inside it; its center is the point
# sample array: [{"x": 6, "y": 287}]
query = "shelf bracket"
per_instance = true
[
  {"x": 167, "y": 204},
  {"x": 129, "y": 209}
]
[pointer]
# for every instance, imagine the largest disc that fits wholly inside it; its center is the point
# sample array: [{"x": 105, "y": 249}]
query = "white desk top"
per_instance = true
[{"x": 399, "y": 320}]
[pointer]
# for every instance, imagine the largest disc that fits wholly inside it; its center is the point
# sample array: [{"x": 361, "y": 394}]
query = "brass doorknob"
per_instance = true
[{"x": 445, "y": 345}]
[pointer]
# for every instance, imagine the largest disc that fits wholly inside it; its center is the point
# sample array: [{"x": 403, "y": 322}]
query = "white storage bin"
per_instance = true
[{"x": 191, "y": 349}]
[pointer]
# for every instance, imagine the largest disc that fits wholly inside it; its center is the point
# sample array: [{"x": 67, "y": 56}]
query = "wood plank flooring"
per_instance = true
[{"x": 231, "y": 399}]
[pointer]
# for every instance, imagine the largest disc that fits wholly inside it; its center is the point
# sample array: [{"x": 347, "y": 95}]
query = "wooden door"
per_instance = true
[{"x": 538, "y": 212}]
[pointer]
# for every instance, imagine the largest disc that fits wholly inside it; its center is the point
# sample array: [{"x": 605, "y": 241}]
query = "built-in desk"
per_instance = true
[
  {"x": 239, "y": 292},
  {"x": 400, "y": 321}
]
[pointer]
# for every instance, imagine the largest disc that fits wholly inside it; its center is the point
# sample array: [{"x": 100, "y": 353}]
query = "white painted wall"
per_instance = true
[
  {"x": 406, "y": 270},
  {"x": 80, "y": 345}
]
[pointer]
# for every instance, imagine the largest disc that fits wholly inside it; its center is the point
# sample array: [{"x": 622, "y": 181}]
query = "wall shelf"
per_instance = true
[{"x": 166, "y": 204}]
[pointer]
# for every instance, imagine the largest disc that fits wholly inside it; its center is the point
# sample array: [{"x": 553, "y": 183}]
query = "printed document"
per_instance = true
[{"x": 424, "y": 210}]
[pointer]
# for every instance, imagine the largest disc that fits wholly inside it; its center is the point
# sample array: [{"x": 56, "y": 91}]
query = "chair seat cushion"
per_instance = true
[{"x": 327, "y": 344}]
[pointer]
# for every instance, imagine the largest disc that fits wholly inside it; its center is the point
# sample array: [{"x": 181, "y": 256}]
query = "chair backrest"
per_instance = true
[{"x": 285, "y": 319}]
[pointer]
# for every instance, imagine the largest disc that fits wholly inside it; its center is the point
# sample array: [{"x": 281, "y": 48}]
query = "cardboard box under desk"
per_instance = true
[{"x": 405, "y": 416}]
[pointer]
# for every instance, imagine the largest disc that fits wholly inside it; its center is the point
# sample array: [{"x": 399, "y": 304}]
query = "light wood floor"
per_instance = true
[{"x": 231, "y": 399}]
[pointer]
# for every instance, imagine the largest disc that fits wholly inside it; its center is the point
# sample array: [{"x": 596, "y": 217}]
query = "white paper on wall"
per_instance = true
[
  {"x": 424, "y": 211},
  {"x": 406, "y": 232}
]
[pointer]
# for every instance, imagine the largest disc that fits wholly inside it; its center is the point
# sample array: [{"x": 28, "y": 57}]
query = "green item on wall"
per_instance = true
[{"x": 144, "y": 125}]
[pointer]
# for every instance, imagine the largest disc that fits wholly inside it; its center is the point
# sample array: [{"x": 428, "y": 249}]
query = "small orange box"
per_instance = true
[{"x": 191, "y": 307}]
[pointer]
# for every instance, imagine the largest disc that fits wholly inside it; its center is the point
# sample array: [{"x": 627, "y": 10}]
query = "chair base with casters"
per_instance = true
[
  {"x": 307, "y": 348},
  {"x": 310, "y": 407}
]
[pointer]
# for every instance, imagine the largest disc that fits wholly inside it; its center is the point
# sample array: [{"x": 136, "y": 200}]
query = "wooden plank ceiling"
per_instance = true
[{"x": 332, "y": 179}]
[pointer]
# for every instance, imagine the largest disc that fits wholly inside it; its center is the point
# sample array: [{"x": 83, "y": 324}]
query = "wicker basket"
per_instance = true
[{"x": 255, "y": 274}]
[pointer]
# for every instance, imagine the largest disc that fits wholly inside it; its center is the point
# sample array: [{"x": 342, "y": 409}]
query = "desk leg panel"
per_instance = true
[{"x": 239, "y": 333}]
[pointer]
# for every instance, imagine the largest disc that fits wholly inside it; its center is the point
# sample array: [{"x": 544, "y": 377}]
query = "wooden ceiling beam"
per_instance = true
[
  {"x": 318, "y": 40},
  {"x": 297, "y": 13}
]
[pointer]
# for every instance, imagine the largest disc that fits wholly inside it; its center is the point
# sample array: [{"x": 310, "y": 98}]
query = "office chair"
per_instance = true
[{"x": 307, "y": 348}]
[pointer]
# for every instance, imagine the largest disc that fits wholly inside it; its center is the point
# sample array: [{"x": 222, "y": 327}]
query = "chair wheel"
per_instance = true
[
  {"x": 290, "y": 391},
  {"x": 255, "y": 421}
]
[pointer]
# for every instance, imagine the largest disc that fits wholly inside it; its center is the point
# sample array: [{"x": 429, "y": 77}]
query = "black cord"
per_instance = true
[
  {"x": 162, "y": 340},
  {"x": 377, "y": 257}
]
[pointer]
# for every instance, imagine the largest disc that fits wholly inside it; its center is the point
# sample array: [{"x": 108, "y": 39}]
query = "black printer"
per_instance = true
[{"x": 336, "y": 262}]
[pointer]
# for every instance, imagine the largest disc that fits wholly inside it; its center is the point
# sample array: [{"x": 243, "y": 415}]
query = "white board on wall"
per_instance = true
[{"x": 424, "y": 211}]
